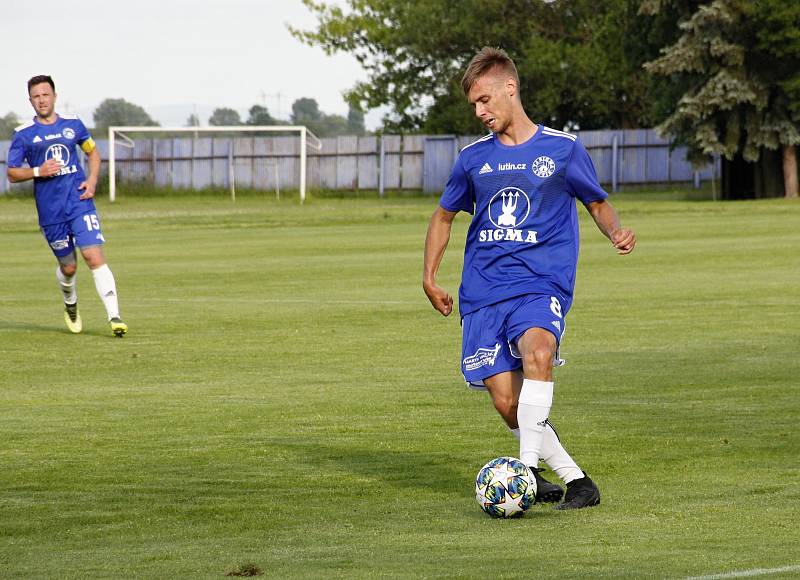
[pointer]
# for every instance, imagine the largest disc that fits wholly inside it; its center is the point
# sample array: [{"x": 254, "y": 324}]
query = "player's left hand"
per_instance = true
[
  {"x": 624, "y": 241},
  {"x": 88, "y": 189}
]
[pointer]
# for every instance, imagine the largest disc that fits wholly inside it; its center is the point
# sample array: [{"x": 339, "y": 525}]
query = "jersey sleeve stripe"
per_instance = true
[
  {"x": 23, "y": 126},
  {"x": 556, "y": 133},
  {"x": 484, "y": 138}
]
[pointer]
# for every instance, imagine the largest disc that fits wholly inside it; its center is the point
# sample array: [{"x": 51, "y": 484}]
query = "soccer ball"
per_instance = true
[{"x": 505, "y": 488}]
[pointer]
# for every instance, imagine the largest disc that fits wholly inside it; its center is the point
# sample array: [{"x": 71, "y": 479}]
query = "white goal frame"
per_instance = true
[{"x": 120, "y": 130}]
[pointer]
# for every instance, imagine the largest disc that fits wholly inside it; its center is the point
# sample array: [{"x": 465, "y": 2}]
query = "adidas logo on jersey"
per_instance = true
[
  {"x": 37, "y": 139},
  {"x": 485, "y": 169}
]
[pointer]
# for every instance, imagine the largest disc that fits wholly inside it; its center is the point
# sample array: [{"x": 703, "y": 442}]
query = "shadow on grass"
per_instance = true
[
  {"x": 15, "y": 325},
  {"x": 400, "y": 469}
]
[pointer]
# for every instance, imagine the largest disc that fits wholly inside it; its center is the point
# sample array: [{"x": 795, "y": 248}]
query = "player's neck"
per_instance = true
[
  {"x": 519, "y": 131},
  {"x": 48, "y": 120}
]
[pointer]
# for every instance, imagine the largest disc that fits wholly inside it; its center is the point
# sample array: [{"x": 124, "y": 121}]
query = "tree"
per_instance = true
[
  {"x": 578, "y": 64},
  {"x": 259, "y": 115},
  {"x": 120, "y": 112},
  {"x": 224, "y": 116},
  {"x": 305, "y": 111},
  {"x": 738, "y": 62},
  {"x": 355, "y": 121},
  {"x": 7, "y": 126},
  {"x": 192, "y": 121}
]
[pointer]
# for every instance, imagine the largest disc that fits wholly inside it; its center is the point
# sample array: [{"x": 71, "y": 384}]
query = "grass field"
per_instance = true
[{"x": 287, "y": 398}]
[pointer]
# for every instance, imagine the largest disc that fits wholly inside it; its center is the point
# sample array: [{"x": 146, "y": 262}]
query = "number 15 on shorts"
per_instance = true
[{"x": 92, "y": 223}]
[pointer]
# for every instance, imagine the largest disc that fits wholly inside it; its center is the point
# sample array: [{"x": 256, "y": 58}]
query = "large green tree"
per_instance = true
[
  {"x": 120, "y": 112},
  {"x": 738, "y": 65},
  {"x": 579, "y": 60}
]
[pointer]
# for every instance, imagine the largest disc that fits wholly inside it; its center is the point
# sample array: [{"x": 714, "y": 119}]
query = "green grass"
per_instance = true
[{"x": 287, "y": 400}]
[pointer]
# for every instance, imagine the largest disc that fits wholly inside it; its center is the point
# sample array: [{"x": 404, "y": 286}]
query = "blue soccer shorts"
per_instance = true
[
  {"x": 82, "y": 231},
  {"x": 490, "y": 334}
]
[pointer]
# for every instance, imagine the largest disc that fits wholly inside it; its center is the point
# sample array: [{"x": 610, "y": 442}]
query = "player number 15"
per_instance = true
[{"x": 91, "y": 222}]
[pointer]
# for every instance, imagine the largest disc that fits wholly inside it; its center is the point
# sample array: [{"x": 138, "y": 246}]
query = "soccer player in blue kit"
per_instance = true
[
  {"x": 520, "y": 260},
  {"x": 67, "y": 214}
]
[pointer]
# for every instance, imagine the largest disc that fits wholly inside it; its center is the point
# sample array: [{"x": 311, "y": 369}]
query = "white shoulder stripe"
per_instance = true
[
  {"x": 556, "y": 133},
  {"x": 23, "y": 126},
  {"x": 71, "y": 117},
  {"x": 484, "y": 138}
]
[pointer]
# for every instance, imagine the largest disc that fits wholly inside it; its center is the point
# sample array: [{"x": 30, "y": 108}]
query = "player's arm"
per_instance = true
[
  {"x": 435, "y": 244},
  {"x": 607, "y": 220},
  {"x": 16, "y": 156},
  {"x": 93, "y": 158}
]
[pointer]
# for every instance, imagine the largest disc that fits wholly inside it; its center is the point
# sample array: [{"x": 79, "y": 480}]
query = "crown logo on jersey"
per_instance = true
[
  {"x": 509, "y": 208},
  {"x": 485, "y": 169}
]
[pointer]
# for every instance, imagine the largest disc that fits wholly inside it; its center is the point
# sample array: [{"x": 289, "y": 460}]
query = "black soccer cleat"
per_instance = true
[
  {"x": 581, "y": 493},
  {"x": 546, "y": 492}
]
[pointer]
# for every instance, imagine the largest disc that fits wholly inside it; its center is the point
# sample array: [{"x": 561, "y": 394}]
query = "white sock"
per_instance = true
[
  {"x": 535, "y": 401},
  {"x": 106, "y": 289},
  {"x": 68, "y": 286},
  {"x": 514, "y": 432},
  {"x": 557, "y": 458}
]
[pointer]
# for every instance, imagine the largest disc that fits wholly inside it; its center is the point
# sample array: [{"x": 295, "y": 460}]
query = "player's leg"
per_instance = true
[
  {"x": 538, "y": 348},
  {"x": 66, "y": 275},
  {"x": 504, "y": 389},
  {"x": 89, "y": 239},
  {"x": 553, "y": 452},
  {"x": 538, "y": 325},
  {"x": 63, "y": 248}
]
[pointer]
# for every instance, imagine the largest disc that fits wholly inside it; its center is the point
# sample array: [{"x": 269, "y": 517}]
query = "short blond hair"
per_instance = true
[{"x": 488, "y": 59}]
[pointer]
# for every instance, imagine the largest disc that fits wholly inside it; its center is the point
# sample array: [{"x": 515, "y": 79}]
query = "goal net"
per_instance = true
[{"x": 268, "y": 158}]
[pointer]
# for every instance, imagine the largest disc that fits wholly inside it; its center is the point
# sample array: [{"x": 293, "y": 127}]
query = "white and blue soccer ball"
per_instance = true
[{"x": 505, "y": 488}]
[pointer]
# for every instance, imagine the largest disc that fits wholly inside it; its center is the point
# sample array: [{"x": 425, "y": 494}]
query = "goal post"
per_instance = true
[{"x": 118, "y": 135}]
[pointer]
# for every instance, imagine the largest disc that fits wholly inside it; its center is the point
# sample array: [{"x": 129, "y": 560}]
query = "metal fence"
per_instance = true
[{"x": 388, "y": 162}]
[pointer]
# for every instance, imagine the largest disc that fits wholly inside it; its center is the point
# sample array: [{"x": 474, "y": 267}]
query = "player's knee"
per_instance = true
[
  {"x": 68, "y": 269},
  {"x": 539, "y": 358}
]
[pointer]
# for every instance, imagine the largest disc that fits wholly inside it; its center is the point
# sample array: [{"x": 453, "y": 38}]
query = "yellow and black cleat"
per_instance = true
[
  {"x": 118, "y": 328},
  {"x": 73, "y": 318}
]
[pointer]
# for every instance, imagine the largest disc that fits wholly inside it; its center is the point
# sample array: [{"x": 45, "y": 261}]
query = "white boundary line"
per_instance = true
[{"x": 747, "y": 573}]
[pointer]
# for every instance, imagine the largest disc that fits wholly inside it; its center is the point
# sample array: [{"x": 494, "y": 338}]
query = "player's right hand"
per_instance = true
[
  {"x": 440, "y": 299},
  {"x": 49, "y": 168}
]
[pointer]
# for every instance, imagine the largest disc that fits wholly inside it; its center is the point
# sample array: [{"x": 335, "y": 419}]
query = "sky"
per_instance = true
[{"x": 172, "y": 57}]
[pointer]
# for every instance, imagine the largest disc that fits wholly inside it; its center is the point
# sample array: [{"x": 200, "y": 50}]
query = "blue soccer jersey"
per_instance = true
[
  {"x": 523, "y": 238},
  {"x": 57, "y": 197}
]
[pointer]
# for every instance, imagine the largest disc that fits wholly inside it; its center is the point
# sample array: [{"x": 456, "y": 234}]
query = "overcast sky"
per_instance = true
[{"x": 169, "y": 56}]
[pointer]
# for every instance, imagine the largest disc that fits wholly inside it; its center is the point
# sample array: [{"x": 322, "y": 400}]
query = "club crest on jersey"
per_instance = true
[
  {"x": 68, "y": 133},
  {"x": 482, "y": 357},
  {"x": 543, "y": 166}
]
